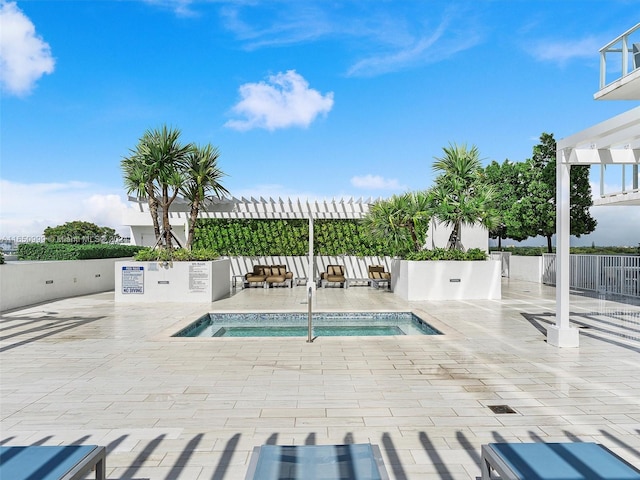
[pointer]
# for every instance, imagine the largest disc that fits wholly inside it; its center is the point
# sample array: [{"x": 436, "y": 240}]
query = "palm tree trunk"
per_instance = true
[
  {"x": 153, "y": 210},
  {"x": 166, "y": 226},
  {"x": 454, "y": 238},
  {"x": 414, "y": 237},
  {"x": 193, "y": 217}
]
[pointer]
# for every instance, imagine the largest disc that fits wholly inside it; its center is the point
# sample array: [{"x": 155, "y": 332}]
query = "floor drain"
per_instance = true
[{"x": 501, "y": 409}]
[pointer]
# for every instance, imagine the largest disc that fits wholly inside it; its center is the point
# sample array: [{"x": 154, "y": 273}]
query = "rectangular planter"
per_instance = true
[
  {"x": 446, "y": 280},
  {"x": 191, "y": 282}
]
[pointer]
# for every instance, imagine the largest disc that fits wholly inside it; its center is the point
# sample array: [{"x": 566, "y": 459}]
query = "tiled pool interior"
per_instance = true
[{"x": 295, "y": 324}]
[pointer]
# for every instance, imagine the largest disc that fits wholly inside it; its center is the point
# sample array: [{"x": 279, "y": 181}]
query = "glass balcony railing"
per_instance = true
[{"x": 620, "y": 57}]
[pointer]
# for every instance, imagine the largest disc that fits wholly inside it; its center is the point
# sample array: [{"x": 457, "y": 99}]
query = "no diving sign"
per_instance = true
[{"x": 133, "y": 280}]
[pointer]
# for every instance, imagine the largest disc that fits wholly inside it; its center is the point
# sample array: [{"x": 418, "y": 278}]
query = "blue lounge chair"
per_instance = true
[
  {"x": 554, "y": 461},
  {"x": 317, "y": 462},
  {"x": 71, "y": 462}
]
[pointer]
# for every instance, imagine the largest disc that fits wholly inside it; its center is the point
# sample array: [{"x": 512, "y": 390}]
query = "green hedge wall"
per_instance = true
[
  {"x": 252, "y": 237},
  {"x": 62, "y": 251}
]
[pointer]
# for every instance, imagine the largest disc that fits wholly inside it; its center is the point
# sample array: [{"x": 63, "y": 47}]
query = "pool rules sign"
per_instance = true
[{"x": 133, "y": 280}]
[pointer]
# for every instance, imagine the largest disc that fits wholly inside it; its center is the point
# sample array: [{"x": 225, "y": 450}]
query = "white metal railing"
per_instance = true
[
  {"x": 615, "y": 274},
  {"x": 627, "y": 46}
]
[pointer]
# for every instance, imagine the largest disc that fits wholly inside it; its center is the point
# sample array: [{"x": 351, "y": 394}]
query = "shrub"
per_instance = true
[
  {"x": 63, "y": 251},
  {"x": 446, "y": 254},
  {"x": 175, "y": 255}
]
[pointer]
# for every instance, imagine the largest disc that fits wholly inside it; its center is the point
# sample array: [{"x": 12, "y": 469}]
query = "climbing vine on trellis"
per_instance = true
[{"x": 257, "y": 237}]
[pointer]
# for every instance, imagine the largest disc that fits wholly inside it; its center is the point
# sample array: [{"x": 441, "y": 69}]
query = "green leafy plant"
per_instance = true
[
  {"x": 447, "y": 254},
  {"x": 64, "y": 251},
  {"x": 175, "y": 255}
]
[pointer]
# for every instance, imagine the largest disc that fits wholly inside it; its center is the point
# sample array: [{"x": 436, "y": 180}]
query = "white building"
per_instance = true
[{"x": 614, "y": 142}]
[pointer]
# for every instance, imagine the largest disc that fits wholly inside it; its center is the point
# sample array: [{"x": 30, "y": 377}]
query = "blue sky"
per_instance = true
[{"x": 316, "y": 99}]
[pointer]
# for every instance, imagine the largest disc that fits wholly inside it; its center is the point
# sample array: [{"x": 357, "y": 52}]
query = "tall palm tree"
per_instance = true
[
  {"x": 202, "y": 181},
  {"x": 401, "y": 221},
  {"x": 460, "y": 195},
  {"x": 155, "y": 162}
]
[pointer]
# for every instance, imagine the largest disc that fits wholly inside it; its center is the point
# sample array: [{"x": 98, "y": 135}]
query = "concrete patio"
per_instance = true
[{"x": 85, "y": 370}]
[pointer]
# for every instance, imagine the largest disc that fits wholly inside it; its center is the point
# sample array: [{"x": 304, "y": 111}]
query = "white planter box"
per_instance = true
[
  {"x": 191, "y": 282},
  {"x": 446, "y": 280}
]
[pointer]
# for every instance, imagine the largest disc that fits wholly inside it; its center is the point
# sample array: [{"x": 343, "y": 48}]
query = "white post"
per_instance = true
[
  {"x": 310, "y": 267},
  {"x": 561, "y": 334}
]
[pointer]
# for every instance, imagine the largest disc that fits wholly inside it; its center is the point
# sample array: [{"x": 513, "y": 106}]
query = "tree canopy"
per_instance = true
[
  {"x": 160, "y": 167},
  {"x": 527, "y": 195},
  {"x": 461, "y": 196},
  {"x": 79, "y": 231}
]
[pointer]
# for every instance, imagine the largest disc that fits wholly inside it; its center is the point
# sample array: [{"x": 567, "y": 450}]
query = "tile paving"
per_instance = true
[{"x": 87, "y": 370}]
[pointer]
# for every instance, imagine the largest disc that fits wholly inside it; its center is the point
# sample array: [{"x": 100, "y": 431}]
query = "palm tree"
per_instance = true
[
  {"x": 460, "y": 195},
  {"x": 155, "y": 163},
  {"x": 202, "y": 179},
  {"x": 138, "y": 181},
  {"x": 401, "y": 221}
]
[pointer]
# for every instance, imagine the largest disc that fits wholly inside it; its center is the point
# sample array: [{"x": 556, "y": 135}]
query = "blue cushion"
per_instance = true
[
  {"x": 40, "y": 462},
  {"x": 564, "y": 461}
]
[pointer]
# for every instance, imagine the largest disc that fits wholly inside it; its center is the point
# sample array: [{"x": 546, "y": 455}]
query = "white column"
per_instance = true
[
  {"x": 561, "y": 334},
  {"x": 310, "y": 267}
]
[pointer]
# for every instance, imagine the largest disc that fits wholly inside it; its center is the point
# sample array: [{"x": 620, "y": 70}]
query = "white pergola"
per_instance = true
[{"x": 614, "y": 141}]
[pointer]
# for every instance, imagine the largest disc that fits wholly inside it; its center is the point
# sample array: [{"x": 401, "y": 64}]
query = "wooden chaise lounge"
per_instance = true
[
  {"x": 334, "y": 274},
  {"x": 267, "y": 275},
  {"x": 378, "y": 275},
  {"x": 278, "y": 274},
  {"x": 256, "y": 276}
]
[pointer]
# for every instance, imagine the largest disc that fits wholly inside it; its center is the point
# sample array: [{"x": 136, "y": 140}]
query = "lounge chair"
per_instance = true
[
  {"x": 554, "y": 461},
  {"x": 334, "y": 274},
  {"x": 304, "y": 462},
  {"x": 257, "y": 276},
  {"x": 70, "y": 462},
  {"x": 278, "y": 274},
  {"x": 378, "y": 275}
]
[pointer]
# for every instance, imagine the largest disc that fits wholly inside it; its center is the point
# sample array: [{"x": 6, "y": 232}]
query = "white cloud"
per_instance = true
[
  {"x": 440, "y": 43},
  {"x": 29, "y": 208},
  {"x": 375, "y": 182},
  {"x": 24, "y": 56},
  {"x": 563, "y": 51},
  {"x": 181, "y": 8},
  {"x": 284, "y": 100}
]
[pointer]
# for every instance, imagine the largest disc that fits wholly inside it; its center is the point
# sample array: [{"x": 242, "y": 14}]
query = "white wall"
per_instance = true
[
  {"x": 27, "y": 283},
  {"x": 528, "y": 269},
  {"x": 446, "y": 280},
  {"x": 471, "y": 236},
  {"x": 192, "y": 282}
]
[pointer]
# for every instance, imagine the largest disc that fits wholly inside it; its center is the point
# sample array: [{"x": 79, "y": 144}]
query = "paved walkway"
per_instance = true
[{"x": 85, "y": 370}]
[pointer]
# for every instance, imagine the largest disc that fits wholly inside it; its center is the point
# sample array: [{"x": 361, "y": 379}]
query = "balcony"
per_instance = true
[{"x": 620, "y": 67}]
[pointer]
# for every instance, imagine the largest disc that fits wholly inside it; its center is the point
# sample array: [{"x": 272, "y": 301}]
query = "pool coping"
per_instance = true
[{"x": 447, "y": 332}]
